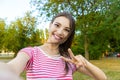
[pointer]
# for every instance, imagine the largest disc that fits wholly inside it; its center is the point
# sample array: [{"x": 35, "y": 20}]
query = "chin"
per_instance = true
[{"x": 54, "y": 42}]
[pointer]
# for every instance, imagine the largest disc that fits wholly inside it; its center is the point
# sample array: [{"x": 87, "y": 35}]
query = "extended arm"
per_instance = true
[
  {"x": 86, "y": 67},
  {"x": 18, "y": 63},
  {"x": 89, "y": 69}
]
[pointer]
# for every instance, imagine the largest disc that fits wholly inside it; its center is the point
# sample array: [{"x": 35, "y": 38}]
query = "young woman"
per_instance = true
[{"x": 54, "y": 59}]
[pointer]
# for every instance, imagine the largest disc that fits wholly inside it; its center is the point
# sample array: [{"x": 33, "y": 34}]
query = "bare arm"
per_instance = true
[
  {"x": 90, "y": 69},
  {"x": 18, "y": 63},
  {"x": 86, "y": 67}
]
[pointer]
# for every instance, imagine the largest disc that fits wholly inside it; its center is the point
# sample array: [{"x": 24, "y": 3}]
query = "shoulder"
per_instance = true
[
  {"x": 30, "y": 51},
  {"x": 27, "y": 50}
]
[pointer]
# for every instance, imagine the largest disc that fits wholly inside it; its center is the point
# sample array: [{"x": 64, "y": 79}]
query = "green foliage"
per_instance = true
[
  {"x": 112, "y": 24},
  {"x": 77, "y": 46},
  {"x": 19, "y": 34},
  {"x": 2, "y": 31},
  {"x": 97, "y": 21}
]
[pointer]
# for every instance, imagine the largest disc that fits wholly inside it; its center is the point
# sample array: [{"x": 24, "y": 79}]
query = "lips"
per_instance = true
[{"x": 57, "y": 37}]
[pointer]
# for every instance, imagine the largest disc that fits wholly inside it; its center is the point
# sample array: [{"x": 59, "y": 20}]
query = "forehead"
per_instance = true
[{"x": 63, "y": 21}]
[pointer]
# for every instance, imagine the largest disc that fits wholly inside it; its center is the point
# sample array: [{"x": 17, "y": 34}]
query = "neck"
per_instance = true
[
  {"x": 51, "y": 46},
  {"x": 51, "y": 49}
]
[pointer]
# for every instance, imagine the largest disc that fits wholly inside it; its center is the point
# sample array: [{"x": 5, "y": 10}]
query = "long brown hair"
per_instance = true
[{"x": 63, "y": 48}]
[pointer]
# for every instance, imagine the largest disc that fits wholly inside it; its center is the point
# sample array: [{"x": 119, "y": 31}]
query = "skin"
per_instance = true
[
  {"x": 85, "y": 67},
  {"x": 59, "y": 32},
  {"x": 4, "y": 70}
]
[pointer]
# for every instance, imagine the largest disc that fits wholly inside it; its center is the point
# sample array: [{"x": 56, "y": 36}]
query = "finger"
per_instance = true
[
  {"x": 71, "y": 54},
  {"x": 78, "y": 65},
  {"x": 68, "y": 60},
  {"x": 81, "y": 59}
]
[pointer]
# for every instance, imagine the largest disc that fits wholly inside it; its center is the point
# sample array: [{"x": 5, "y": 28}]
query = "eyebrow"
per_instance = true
[
  {"x": 58, "y": 23},
  {"x": 67, "y": 27}
]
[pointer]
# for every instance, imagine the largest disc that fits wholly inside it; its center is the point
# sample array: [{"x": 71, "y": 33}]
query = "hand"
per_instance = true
[
  {"x": 85, "y": 67},
  {"x": 78, "y": 60}
]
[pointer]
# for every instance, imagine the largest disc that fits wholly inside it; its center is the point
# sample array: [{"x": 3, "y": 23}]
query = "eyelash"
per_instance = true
[
  {"x": 56, "y": 25},
  {"x": 67, "y": 30}
]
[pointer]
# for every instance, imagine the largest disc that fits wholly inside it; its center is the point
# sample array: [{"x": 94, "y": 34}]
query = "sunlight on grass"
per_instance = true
[
  {"x": 111, "y": 67},
  {"x": 108, "y": 63}
]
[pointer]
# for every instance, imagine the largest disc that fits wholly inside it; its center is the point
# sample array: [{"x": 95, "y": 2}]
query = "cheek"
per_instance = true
[
  {"x": 66, "y": 36},
  {"x": 50, "y": 31},
  {"x": 50, "y": 28},
  {"x": 65, "y": 39}
]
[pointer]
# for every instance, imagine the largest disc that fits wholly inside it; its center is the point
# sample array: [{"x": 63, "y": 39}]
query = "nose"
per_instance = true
[{"x": 60, "y": 31}]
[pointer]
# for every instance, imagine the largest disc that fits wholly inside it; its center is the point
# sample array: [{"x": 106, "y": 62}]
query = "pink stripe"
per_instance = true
[{"x": 46, "y": 67}]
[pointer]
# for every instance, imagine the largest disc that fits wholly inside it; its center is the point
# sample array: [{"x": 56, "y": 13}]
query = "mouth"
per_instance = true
[{"x": 57, "y": 37}]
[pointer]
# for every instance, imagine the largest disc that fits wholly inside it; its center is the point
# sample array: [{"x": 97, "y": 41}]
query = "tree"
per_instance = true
[
  {"x": 2, "y": 32},
  {"x": 21, "y": 33},
  {"x": 10, "y": 40},
  {"x": 86, "y": 12},
  {"x": 112, "y": 22}
]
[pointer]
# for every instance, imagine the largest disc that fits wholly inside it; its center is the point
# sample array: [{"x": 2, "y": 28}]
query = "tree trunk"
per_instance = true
[{"x": 86, "y": 48}]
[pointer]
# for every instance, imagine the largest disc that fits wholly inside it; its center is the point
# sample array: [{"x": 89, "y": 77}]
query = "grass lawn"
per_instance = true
[{"x": 111, "y": 67}]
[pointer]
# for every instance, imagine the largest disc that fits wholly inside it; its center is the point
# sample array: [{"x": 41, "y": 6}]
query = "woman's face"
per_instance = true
[{"x": 59, "y": 30}]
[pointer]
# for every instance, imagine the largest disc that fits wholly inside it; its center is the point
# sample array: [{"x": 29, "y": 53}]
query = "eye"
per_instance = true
[
  {"x": 57, "y": 25},
  {"x": 68, "y": 30}
]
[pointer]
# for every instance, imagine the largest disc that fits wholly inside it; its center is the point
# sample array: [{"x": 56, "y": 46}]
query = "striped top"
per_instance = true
[{"x": 43, "y": 67}]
